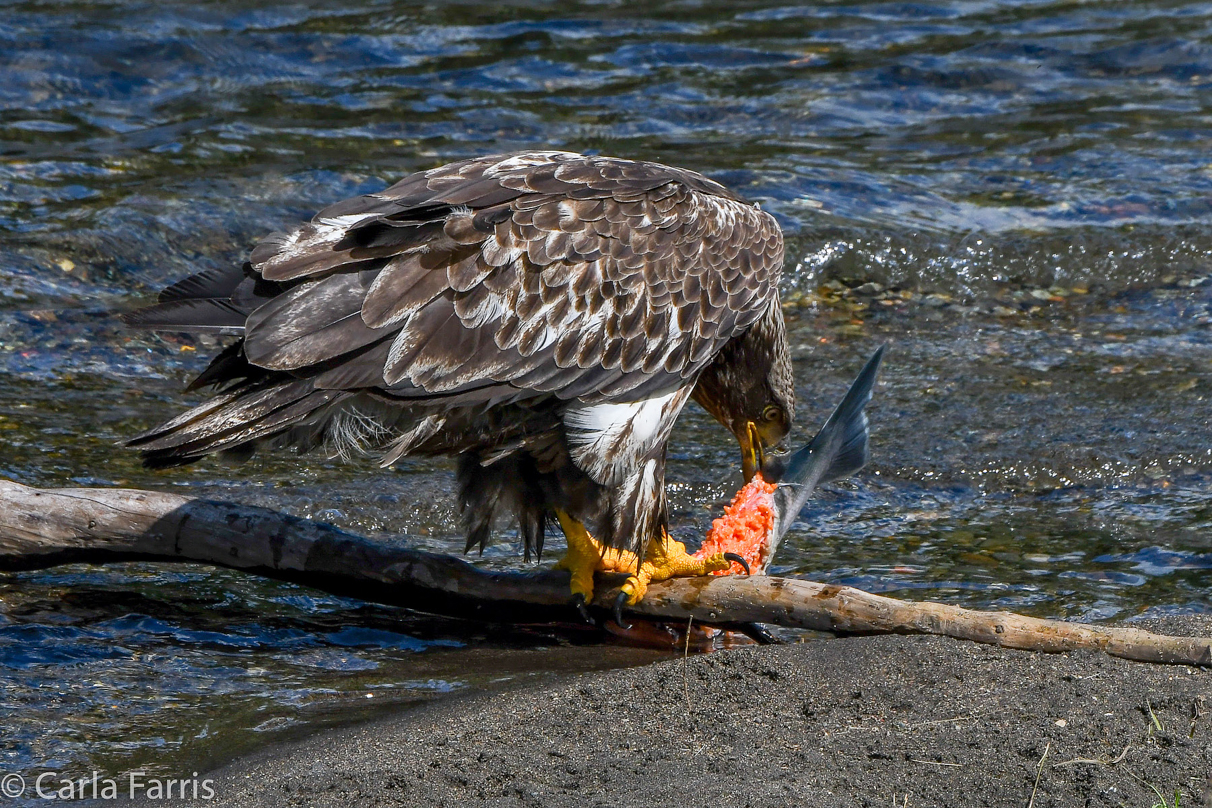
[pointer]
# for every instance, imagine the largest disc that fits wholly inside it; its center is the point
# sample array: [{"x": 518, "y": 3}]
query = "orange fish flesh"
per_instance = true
[{"x": 744, "y": 527}]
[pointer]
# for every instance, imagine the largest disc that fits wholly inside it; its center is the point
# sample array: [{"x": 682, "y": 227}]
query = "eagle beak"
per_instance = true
[{"x": 753, "y": 454}]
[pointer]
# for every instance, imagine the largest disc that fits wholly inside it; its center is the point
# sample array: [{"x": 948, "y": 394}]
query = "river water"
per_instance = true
[{"x": 1017, "y": 196}]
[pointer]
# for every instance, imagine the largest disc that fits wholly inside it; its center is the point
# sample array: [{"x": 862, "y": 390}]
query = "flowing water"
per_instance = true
[{"x": 1016, "y": 195}]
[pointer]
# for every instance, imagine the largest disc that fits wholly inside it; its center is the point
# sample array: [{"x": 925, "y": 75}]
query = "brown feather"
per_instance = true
[
  {"x": 309, "y": 324},
  {"x": 399, "y": 291},
  {"x": 479, "y": 296}
]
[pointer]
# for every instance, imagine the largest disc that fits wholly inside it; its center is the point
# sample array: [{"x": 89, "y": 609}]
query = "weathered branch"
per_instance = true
[{"x": 42, "y": 528}]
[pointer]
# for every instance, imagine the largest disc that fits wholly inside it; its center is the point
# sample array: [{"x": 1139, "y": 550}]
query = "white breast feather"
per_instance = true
[{"x": 607, "y": 440}]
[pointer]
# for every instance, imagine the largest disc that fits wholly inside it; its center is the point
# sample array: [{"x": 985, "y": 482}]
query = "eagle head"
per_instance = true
[{"x": 749, "y": 388}]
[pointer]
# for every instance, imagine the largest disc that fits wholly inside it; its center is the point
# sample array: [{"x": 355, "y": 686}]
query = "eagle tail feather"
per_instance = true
[
  {"x": 218, "y": 299},
  {"x": 234, "y": 422},
  {"x": 511, "y": 484}
]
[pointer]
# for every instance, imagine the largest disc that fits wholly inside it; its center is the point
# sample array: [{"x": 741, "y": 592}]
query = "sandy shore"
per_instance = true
[{"x": 875, "y": 721}]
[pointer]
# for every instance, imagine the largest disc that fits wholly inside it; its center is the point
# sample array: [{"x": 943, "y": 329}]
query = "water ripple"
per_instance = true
[{"x": 1017, "y": 195}]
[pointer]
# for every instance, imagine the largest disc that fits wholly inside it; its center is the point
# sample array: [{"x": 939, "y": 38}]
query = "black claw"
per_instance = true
[
  {"x": 739, "y": 560},
  {"x": 578, "y": 600},
  {"x": 618, "y": 611}
]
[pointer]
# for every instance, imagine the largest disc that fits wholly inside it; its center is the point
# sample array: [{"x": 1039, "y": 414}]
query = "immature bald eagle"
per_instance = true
[{"x": 544, "y": 316}]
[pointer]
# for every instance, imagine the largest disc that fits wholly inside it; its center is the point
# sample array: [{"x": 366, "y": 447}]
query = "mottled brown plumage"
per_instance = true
[{"x": 542, "y": 315}]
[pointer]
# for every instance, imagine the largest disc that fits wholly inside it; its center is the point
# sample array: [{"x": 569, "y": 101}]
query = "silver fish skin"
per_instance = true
[{"x": 838, "y": 450}]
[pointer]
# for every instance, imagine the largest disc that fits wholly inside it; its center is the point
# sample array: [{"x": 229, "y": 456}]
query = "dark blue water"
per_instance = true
[{"x": 1016, "y": 195}]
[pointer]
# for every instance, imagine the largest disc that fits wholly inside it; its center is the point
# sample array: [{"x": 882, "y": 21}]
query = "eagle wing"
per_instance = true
[
  {"x": 512, "y": 276},
  {"x": 605, "y": 282}
]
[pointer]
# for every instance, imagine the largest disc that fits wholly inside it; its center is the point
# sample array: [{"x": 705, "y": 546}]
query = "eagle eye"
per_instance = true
[{"x": 771, "y": 413}]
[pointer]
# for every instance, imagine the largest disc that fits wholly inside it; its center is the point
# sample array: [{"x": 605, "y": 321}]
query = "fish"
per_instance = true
[
  {"x": 763, "y": 511},
  {"x": 839, "y": 449}
]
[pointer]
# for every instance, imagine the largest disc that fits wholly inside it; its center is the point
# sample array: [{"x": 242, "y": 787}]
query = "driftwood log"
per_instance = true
[{"x": 42, "y": 528}]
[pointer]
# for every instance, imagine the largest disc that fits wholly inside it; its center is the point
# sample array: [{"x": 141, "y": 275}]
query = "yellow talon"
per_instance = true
[
  {"x": 586, "y": 555},
  {"x": 665, "y": 559},
  {"x": 583, "y": 556},
  {"x": 668, "y": 559}
]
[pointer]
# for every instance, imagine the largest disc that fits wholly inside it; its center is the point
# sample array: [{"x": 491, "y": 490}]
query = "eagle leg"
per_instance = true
[
  {"x": 665, "y": 559},
  {"x": 668, "y": 559},
  {"x": 585, "y": 556}
]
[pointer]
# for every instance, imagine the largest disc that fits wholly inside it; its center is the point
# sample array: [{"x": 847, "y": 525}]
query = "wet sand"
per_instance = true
[{"x": 860, "y": 721}]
